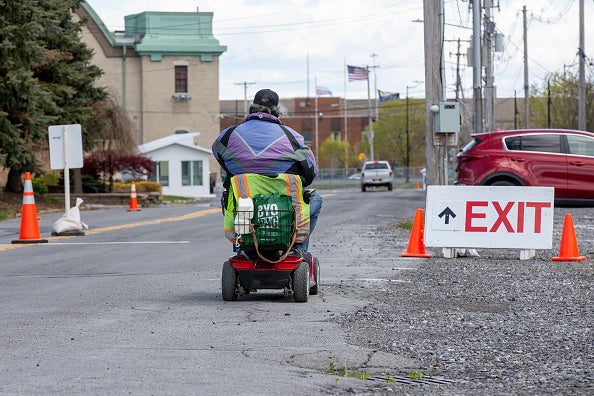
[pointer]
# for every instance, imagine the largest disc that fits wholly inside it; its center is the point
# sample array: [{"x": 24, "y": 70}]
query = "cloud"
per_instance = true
[{"x": 287, "y": 45}]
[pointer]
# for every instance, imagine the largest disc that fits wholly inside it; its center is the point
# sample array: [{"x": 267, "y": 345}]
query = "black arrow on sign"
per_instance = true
[{"x": 447, "y": 212}]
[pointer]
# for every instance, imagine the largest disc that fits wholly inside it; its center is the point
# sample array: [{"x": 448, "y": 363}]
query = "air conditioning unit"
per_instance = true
[{"x": 181, "y": 96}]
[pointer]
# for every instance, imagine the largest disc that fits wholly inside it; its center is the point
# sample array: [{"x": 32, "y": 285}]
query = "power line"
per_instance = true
[{"x": 245, "y": 84}]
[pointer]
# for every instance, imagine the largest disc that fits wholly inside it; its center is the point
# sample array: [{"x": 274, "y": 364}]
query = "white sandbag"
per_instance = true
[{"x": 70, "y": 221}]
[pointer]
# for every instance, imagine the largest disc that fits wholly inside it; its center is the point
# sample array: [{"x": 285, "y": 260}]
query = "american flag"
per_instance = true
[{"x": 357, "y": 73}]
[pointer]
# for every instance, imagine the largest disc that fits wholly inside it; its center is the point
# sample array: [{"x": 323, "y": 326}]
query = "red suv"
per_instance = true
[{"x": 560, "y": 158}]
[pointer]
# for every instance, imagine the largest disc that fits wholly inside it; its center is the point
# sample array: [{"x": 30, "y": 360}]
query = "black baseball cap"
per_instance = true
[{"x": 266, "y": 97}]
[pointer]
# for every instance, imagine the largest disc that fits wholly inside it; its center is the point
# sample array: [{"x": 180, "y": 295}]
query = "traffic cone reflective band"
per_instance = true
[
  {"x": 416, "y": 244},
  {"x": 29, "y": 227},
  {"x": 133, "y": 198},
  {"x": 569, "y": 248}
]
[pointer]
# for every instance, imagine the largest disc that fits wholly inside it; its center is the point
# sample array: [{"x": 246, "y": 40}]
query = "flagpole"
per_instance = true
[
  {"x": 316, "y": 114},
  {"x": 307, "y": 71},
  {"x": 345, "y": 107},
  {"x": 369, "y": 118}
]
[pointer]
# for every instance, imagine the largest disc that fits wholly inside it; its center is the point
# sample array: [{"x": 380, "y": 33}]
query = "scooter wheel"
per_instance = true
[
  {"x": 229, "y": 282},
  {"x": 301, "y": 282}
]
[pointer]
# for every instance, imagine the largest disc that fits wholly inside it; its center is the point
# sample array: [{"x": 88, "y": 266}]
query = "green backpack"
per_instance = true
[{"x": 273, "y": 221}]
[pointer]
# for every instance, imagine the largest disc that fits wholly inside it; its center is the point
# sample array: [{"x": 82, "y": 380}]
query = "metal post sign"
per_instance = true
[
  {"x": 65, "y": 144},
  {"x": 489, "y": 217}
]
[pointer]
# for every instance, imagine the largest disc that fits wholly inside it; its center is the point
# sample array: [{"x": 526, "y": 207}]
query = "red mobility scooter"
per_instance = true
[{"x": 265, "y": 232}]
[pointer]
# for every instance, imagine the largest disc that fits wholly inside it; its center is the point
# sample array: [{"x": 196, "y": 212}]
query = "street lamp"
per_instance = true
[{"x": 406, "y": 171}]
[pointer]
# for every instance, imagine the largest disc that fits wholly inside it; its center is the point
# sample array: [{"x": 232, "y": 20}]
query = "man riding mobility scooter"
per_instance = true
[{"x": 265, "y": 218}]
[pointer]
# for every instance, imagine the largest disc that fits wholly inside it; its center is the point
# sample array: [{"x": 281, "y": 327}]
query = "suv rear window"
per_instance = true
[
  {"x": 541, "y": 143},
  {"x": 471, "y": 144},
  {"x": 581, "y": 145},
  {"x": 379, "y": 165}
]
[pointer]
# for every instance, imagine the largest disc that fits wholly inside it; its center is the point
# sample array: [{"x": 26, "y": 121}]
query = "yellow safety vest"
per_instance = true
[{"x": 249, "y": 184}]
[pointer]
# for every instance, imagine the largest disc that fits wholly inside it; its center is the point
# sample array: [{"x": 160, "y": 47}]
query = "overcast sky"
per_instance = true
[{"x": 291, "y": 44}]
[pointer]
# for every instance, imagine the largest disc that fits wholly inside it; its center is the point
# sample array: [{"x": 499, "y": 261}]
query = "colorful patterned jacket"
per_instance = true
[{"x": 263, "y": 145}]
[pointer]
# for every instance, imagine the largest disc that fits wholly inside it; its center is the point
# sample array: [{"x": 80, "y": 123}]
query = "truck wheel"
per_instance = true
[
  {"x": 229, "y": 282},
  {"x": 390, "y": 187},
  {"x": 301, "y": 282}
]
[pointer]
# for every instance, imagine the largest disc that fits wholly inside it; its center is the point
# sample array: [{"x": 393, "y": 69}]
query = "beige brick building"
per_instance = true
[{"x": 163, "y": 69}]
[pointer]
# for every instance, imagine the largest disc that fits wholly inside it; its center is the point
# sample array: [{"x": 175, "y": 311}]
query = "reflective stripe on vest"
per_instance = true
[
  {"x": 294, "y": 191},
  {"x": 230, "y": 235},
  {"x": 241, "y": 187}
]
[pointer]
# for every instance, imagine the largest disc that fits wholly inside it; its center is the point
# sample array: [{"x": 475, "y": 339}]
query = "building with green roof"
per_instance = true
[{"x": 163, "y": 69}]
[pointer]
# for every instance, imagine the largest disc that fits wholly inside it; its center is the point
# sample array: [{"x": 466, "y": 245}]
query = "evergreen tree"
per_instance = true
[
  {"x": 46, "y": 78},
  {"x": 21, "y": 96}
]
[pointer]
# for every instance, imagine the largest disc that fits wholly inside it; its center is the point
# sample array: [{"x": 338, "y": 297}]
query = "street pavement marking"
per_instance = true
[
  {"x": 118, "y": 227},
  {"x": 152, "y": 222},
  {"x": 125, "y": 226},
  {"x": 119, "y": 243}
]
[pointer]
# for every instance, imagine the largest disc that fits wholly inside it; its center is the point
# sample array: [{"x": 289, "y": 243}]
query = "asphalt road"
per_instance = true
[{"x": 135, "y": 306}]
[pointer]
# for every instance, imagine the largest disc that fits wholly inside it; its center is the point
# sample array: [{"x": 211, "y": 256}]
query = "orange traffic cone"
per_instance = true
[
  {"x": 29, "y": 227},
  {"x": 133, "y": 198},
  {"x": 418, "y": 186},
  {"x": 416, "y": 245},
  {"x": 569, "y": 248}
]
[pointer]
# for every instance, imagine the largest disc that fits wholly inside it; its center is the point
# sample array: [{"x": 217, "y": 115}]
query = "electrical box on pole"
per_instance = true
[{"x": 446, "y": 117}]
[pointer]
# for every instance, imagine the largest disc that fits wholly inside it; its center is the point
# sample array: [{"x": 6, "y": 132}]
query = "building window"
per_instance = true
[
  {"x": 181, "y": 79},
  {"x": 335, "y": 135},
  {"x": 191, "y": 173},
  {"x": 160, "y": 173},
  {"x": 307, "y": 137}
]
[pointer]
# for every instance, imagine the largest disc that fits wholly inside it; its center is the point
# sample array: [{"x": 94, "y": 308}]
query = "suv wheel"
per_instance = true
[{"x": 502, "y": 183}]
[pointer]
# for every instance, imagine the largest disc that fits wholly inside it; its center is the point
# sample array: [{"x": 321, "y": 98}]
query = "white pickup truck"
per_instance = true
[{"x": 376, "y": 173}]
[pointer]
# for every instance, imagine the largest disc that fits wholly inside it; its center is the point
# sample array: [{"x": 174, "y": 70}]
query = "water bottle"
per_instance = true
[{"x": 243, "y": 218}]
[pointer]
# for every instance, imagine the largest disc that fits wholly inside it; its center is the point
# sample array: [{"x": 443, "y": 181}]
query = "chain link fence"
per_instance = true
[{"x": 340, "y": 176}]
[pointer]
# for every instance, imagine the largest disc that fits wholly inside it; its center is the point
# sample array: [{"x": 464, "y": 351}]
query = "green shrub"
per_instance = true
[
  {"x": 39, "y": 187},
  {"x": 141, "y": 187},
  {"x": 91, "y": 185},
  {"x": 148, "y": 186},
  {"x": 51, "y": 179}
]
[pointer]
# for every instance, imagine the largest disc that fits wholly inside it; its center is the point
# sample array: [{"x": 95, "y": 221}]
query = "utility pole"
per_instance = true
[
  {"x": 516, "y": 112},
  {"x": 549, "y": 102},
  {"x": 433, "y": 86},
  {"x": 374, "y": 66},
  {"x": 458, "y": 79},
  {"x": 489, "y": 88},
  {"x": 581, "y": 78},
  {"x": 369, "y": 118},
  {"x": 407, "y": 164},
  {"x": 526, "y": 92},
  {"x": 476, "y": 66},
  {"x": 407, "y": 132},
  {"x": 245, "y": 84}
]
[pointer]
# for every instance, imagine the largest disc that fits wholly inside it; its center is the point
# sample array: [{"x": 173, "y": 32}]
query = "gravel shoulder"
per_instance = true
[{"x": 493, "y": 324}]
